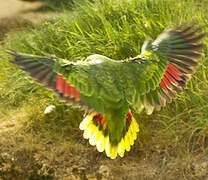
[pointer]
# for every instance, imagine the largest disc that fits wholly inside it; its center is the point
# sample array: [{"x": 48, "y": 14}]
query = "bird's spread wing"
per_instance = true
[
  {"x": 109, "y": 87},
  {"x": 88, "y": 85},
  {"x": 174, "y": 53},
  {"x": 110, "y": 126}
]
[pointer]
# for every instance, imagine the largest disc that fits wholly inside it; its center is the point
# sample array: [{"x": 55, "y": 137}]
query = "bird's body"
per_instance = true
[{"x": 109, "y": 88}]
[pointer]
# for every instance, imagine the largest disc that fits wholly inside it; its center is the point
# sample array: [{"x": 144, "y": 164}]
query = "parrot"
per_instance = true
[{"x": 110, "y": 90}]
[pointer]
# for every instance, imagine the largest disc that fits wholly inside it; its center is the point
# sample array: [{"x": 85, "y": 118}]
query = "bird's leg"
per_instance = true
[{"x": 138, "y": 59}]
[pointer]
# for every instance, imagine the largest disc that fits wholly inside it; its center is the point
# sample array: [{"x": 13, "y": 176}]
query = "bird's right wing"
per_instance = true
[{"x": 174, "y": 53}]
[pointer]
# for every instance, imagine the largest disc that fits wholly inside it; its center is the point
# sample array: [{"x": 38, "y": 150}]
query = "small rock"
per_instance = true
[
  {"x": 201, "y": 169},
  {"x": 49, "y": 109},
  {"x": 104, "y": 172},
  {"x": 6, "y": 156}
]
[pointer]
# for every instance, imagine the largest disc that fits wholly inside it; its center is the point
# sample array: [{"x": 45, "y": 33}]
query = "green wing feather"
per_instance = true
[
  {"x": 110, "y": 88},
  {"x": 96, "y": 84},
  {"x": 174, "y": 53},
  {"x": 97, "y": 81}
]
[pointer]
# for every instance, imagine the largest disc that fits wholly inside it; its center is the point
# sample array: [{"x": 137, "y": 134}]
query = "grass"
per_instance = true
[{"x": 116, "y": 29}]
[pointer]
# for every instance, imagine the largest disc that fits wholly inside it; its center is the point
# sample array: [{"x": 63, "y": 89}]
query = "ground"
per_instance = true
[
  {"x": 21, "y": 9},
  {"x": 16, "y": 13},
  {"x": 29, "y": 155}
]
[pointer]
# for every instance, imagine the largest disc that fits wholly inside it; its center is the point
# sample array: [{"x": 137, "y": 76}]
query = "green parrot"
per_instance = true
[{"x": 109, "y": 89}]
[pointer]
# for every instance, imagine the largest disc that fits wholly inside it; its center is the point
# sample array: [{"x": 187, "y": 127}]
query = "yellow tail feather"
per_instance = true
[{"x": 96, "y": 137}]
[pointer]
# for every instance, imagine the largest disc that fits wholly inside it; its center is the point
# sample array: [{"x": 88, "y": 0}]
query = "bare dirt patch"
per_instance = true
[
  {"x": 15, "y": 14},
  {"x": 31, "y": 155},
  {"x": 13, "y": 7}
]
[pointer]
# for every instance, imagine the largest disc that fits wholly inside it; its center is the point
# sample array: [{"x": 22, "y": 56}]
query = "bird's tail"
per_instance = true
[{"x": 95, "y": 129}]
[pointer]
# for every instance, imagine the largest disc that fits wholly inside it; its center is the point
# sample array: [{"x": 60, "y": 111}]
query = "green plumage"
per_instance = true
[{"x": 112, "y": 87}]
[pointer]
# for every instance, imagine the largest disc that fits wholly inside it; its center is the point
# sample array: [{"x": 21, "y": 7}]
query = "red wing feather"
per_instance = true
[{"x": 63, "y": 87}]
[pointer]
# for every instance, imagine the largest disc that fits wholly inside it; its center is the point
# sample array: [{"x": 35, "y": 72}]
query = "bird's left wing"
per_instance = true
[{"x": 168, "y": 64}]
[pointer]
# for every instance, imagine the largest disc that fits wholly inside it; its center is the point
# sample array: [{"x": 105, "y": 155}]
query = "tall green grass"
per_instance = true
[{"x": 116, "y": 29}]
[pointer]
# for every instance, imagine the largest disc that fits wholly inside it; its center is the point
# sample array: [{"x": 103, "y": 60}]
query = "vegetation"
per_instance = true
[{"x": 173, "y": 137}]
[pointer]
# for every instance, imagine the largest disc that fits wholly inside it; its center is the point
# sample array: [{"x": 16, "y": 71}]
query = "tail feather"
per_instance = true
[{"x": 101, "y": 139}]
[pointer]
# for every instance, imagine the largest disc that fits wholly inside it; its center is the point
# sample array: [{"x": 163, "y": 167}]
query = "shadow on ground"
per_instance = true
[
  {"x": 52, "y": 5},
  {"x": 12, "y": 24}
]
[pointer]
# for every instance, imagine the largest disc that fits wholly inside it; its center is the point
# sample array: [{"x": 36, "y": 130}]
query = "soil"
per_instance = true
[
  {"x": 11, "y": 8},
  {"x": 21, "y": 9},
  {"x": 25, "y": 157},
  {"x": 15, "y": 14}
]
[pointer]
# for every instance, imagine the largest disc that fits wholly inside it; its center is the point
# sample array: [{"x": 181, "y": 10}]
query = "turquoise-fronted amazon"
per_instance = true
[{"x": 109, "y": 89}]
